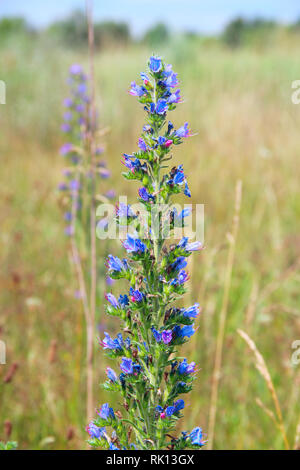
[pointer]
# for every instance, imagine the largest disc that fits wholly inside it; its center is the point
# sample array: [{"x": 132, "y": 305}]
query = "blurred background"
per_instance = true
[{"x": 236, "y": 63}]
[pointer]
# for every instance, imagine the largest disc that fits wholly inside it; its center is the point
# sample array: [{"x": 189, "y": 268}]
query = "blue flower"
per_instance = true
[
  {"x": 187, "y": 331},
  {"x": 196, "y": 437},
  {"x": 155, "y": 64},
  {"x": 170, "y": 410},
  {"x": 94, "y": 431},
  {"x": 187, "y": 191},
  {"x": 136, "y": 295},
  {"x": 114, "y": 344},
  {"x": 112, "y": 300},
  {"x": 126, "y": 365},
  {"x": 111, "y": 374},
  {"x": 183, "y": 242},
  {"x": 123, "y": 300},
  {"x": 145, "y": 195},
  {"x": 191, "y": 312},
  {"x": 183, "y": 131},
  {"x": 115, "y": 264},
  {"x": 178, "y": 264},
  {"x": 106, "y": 412},
  {"x": 136, "y": 90},
  {"x": 161, "y": 106},
  {"x": 134, "y": 245},
  {"x": 195, "y": 246},
  {"x": 124, "y": 211},
  {"x": 179, "y": 217},
  {"x": 179, "y": 177},
  {"x": 174, "y": 97},
  {"x": 180, "y": 279},
  {"x": 156, "y": 334},
  {"x": 185, "y": 368},
  {"x": 131, "y": 162},
  {"x": 113, "y": 447},
  {"x": 179, "y": 405}
]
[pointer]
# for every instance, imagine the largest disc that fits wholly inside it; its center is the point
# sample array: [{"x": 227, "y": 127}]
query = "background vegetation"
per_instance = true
[{"x": 237, "y": 91}]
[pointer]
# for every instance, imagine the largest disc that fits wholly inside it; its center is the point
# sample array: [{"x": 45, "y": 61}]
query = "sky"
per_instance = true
[{"x": 180, "y": 15}]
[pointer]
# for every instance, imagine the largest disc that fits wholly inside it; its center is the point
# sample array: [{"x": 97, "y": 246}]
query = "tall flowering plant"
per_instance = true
[
  {"x": 152, "y": 376},
  {"x": 83, "y": 172}
]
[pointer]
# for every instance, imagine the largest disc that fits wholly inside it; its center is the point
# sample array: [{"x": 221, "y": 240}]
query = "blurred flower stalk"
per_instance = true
[{"x": 82, "y": 188}]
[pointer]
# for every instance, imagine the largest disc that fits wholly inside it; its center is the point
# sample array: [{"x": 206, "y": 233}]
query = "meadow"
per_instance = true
[{"x": 238, "y": 103}]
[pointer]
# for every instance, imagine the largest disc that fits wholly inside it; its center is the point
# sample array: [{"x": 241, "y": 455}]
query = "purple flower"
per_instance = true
[
  {"x": 195, "y": 246},
  {"x": 66, "y": 148},
  {"x": 124, "y": 210},
  {"x": 174, "y": 97},
  {"x": 62, "y": 187},
  {"x": 111, "y": 374},
  {"x": 69, "y": 230},
  {"x": 136, "y": 295},
  {"x": 65, "y": 127},
  {"x": 94, "y": 431},
  {"x": 109, "y": 281},
  {"x": 142, "y": 145},
  {"x": 75, "y": 69},
  {"x": 110, "y": 194},
  {"x": 74, "y": 185},
  {"x": 155, "y": 64},
  {"x": 183, "y": 131},
  {"x": 68, "y": 102},
  {"x": 112, "y": 300},
  {"x": 80, "y": 108},
  {"x": 167, "y": 336},
  {"x": 68, "y": 116},
  {"x": 68, "y": 216}
]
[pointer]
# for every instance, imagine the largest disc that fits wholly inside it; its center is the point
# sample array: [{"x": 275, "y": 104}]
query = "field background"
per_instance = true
[{"x": 238, "y": 101}]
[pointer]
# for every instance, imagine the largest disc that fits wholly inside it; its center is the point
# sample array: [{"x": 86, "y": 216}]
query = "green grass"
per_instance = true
[{"x": 247, "y": 128}]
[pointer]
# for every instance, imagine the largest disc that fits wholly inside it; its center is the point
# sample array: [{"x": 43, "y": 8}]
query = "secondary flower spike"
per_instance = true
[{"x": 152, "y": 374}]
